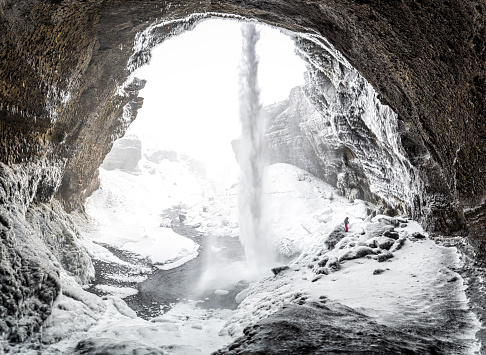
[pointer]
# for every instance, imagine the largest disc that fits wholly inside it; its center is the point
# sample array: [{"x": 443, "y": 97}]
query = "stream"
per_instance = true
[{"x": 162, "y": 289}]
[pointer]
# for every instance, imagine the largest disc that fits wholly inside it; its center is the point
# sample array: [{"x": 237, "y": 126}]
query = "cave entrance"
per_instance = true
[{"x": 166, "y": 208}]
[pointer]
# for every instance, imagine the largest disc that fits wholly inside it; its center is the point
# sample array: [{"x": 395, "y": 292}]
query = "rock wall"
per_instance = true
[
  {"x": 66, "y": 94},
  {"x": 310, "y": 137},
  {"x": 37, "y": 241},
  {"x": 286, "y": 142}
]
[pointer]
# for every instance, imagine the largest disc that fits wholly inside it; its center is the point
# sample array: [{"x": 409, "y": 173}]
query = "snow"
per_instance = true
[
  {"x": 121, "y": 292},
  {"x": 417, "y": 286},
  {"x": 163, "y": 246},
  {"x": 127, "y": 278},
  {"x": 302, "y": 207},
  {"x": 185, "y": 329},
  {"x": 127, "y": 210},
  {"x": 299, "y": 207}
]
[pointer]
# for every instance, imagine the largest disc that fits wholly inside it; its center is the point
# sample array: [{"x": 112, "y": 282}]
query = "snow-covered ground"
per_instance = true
[
  {"x": 128, "y": 210},
  {"x": 381, "y": 267}
]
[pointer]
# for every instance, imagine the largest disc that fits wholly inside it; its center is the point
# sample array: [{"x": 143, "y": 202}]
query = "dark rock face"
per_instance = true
[
  {"x": 63, "y": 90},
  {"x": 331, "y": 328}
]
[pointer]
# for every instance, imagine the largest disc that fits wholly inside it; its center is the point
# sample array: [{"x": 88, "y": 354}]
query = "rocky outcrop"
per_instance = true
[
  {"x": 285, "y": 140},
  {"x": 37, "y": 241},
  {"x": 313, "y": 329},
  {"x": 307, "y": 135},
  {"x": 367, "y": 136}
]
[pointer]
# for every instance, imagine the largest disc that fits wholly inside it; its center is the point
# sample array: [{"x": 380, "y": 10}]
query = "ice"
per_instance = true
[
  {"x": 126, "y": 212},
  {"x": 413, "y": 288},
  {"x": 121, "y": 292},
  {"x": 163, "y": 246}
]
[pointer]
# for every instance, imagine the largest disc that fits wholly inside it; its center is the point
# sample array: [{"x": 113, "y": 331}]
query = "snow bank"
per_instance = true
[
  {"x": 163, "y": 247},
  {"x": 386, "y": 268},
  {"x": 127, "y": 210},
  {"x": 415, "y": 286},
  {"x": 121, "y": 292},
  {"x": 300, "y": 209},
  {"x": 304, "y": 207},
  {"x": 185, "y": 329}
]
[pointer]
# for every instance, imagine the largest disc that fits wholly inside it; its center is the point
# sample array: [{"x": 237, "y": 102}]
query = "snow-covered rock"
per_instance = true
[{"x": 414, "y": 293}]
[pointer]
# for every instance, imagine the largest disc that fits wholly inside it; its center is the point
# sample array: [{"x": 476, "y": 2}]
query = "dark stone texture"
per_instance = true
[
  {"x": 332, "y": 328},
  {"x": 277, "y": 270},
  {"x": 64, "y": 100}
]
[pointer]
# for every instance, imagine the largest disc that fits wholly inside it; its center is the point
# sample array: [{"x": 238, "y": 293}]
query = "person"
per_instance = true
[{"x": 346, "y": 221}]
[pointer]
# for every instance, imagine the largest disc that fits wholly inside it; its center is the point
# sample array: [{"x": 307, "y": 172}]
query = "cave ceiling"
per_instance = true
[{"x": 62, "y": 64}]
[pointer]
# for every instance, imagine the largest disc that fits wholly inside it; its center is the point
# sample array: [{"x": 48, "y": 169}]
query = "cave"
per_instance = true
[{"x": 400, "y": 87}]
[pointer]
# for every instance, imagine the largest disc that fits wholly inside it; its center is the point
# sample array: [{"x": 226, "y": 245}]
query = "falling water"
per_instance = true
[{"x": 254, "y": 234}]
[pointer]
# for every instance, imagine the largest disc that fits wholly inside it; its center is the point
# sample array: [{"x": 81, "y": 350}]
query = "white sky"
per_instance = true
[{"x": 191, "y": 97}]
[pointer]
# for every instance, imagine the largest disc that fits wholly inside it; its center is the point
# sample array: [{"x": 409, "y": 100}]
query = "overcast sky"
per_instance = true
[{"x": 191, "y": 97}]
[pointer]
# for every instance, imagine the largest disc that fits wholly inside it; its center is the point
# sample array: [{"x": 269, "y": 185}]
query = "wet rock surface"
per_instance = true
[{"x": 331, "y": 328}]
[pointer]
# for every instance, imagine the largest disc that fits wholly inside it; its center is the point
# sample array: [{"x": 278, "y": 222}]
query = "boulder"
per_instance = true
[
  {"x": 277, "y": 270},
  {"x": 384, "y": 243},
  {"x": 334, "y": 237},
  {"x": 377, "y": 229},
  {"x": 384, "y": 256},
  {"x": 391, "y": 234}
]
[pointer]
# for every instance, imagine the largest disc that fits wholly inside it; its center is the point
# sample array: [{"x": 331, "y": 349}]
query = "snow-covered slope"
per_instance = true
[
  {"x": 384, "y": 277},
  {"x": 299, "y": 208},
  {"x": 128, "y": 209}
]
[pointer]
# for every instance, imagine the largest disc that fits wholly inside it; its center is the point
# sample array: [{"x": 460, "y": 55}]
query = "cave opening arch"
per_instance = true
[
  {"x": 409, "y": 136},
  {"x": 64, "y": 62},
  {"x": 336, "y": 90},
  {"x": 70, "y": 93}
]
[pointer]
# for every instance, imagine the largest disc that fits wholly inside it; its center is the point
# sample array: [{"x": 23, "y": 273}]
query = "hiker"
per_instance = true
[{"x": 346, "y": 221}]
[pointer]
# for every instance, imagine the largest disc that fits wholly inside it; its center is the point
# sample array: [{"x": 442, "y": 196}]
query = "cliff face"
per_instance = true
[
  {"x": 66, "y": 95},
  {"x": 335, "y": 144},
  {"x": 368, "y": 137}
]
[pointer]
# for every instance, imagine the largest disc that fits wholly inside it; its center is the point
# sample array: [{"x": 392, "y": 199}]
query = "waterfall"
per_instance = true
[{"x": 255, "y": 236}]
